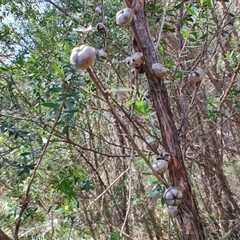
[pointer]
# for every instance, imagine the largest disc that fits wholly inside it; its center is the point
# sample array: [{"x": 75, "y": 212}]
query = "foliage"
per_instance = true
[{"x": 89, "y": 182}]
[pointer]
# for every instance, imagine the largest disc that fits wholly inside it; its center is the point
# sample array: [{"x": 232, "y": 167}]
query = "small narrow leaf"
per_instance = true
[
  {"x": 65, "y": 129},
  {"x": 163, "y": 201},
  {"x": 56, "y": 89},
  {"x": 51, "y": 105},
  {"x": 70, "y": 110},
  {"x": 191, "y": 11},
  {"x": 204, "y": 36},
  {"x": 185, "y": 33},
  {"x": 59, "y": 71},
  {"x": 2, "y": 129},
  {"x": 25, "y": 154},
  {"x": 208, "y": 3}
]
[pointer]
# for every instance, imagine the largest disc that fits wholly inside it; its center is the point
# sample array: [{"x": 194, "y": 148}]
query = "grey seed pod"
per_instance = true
[
  {"x": 137, "y": 59},
  {"x": 128, "y": 60},
  {"x": 159, "y": 70},
  {"x": 166, "y": 156},
  {"x": 160, "y": 166},
  {"x": 196, "y": 76},
  {"x": 101, "y": 28},
  {"x": 124, "y": 17},
  {"x": 173, "y": 196},
  {"x": 83, "y": 57},
  {"x": 98, "y": 10},
  {"x": 133, "y": 71},
  {"x": 173, "y": 211},
  {"x": 102, "y": 54},
  {"x": 154, "y": 143}
]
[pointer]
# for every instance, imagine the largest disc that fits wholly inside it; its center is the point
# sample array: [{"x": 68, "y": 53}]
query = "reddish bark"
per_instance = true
[
  {"x": 3, "y": 236},
  {"x": 188, "y": 221}
]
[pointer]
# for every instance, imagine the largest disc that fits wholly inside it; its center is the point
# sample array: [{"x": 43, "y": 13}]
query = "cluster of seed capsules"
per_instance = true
[
  {"x": 173, "y": 195},
  {"x": 83, "y": 57}
]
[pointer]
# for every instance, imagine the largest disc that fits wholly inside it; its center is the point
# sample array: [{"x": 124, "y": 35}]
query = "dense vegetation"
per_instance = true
[{"x": 74, "y": 164}]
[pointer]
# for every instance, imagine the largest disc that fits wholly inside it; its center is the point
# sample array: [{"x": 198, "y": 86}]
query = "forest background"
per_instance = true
[{"x": 76, "y": 146}]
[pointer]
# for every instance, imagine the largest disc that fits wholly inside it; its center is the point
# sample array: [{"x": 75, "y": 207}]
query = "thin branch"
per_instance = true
[
  {"x": 129, "y": 193},
  {"x": 106, "y": 94},
  {"x": 59, "y": 8},
  {"x": 27, "y": 195},
  {"x": 230, "y": 231},
  {"x": 223, "y": 98},
  {"x": 109, "y": 223},
  {"x": 99, "y": 196},
  {"x": 161, "y": 27}
]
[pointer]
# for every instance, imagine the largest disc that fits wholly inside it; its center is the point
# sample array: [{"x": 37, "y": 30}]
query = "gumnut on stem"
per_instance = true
[
  {"x": 124, "y": 17},
  {"x": 83, "y": 57}
]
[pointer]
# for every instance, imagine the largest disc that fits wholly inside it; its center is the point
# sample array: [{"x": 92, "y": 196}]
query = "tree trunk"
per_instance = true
[
  {"x": 188, "y": 221},
  {"x": 3, "y": 236}
]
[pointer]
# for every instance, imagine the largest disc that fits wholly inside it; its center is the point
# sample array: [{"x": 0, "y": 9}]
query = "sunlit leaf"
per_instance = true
[
  {"x": 185, "y": 33},
  {"x": 59, "y": 71},
  {"x": 121, "y": 89},
  {"x": 191, "y": 11},
  {"x": 83, "y": 29}
]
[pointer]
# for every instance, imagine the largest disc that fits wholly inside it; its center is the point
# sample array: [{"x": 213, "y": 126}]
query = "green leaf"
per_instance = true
[
  {"x": 25, "y": 154},
  {"x": 163, "y": 202},
  {"x": 208, "y": 3},
  {"x": 179, "y": 75},
  {"x": 139, "y": 111},
  {"x": 204, "y": 36},
  {"x": 59, "y": 71},
  {"x": 191, "y": 39},
  {"x": 22, "y": 171},
  {"x": 168, "y": 28},
  {"x": 1, "y": 162},
  {"x": 115, "y": 236},
  {"x": 65, "y": 129},
  {"x": 51, "y": 105},
  {"x": 87, "y": 186},
  {"x": 191, "y": 11},
  {"x": 2, "y": 129},
  {"x": 152, "y": 180},
  {"x": 154, "y": 193},
  {"x": 52, "y": 117},
  {"x": 185, "y": 33},
  {"x": 140, "y": 162},
  {"x": 26, "y": 169},
  {"x": 56, "y": 89},
  {"x": 70, "y": 111}
]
